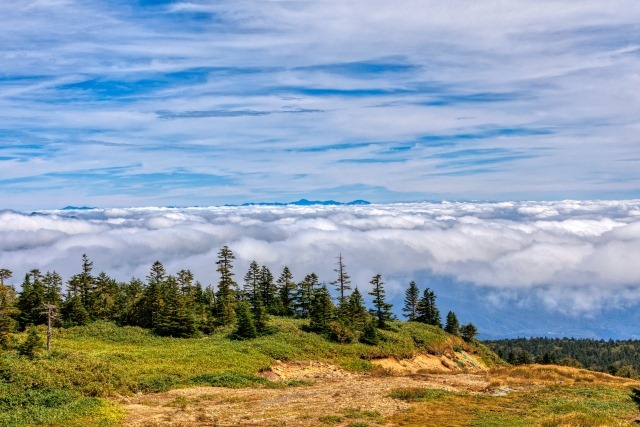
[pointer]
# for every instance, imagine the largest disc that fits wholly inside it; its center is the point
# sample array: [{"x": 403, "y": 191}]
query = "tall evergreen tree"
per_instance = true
[
  {"x": 31, "y": 300},
  {"x": 303, "y": 295},
  {"x": 7, "y": 311},
  {"x": 286, "y": 288},
  {"x": 321, "y": 311},
  {"x": 452, "y": 326},
  {"x": 252, "y": 283},
  {"x": 5, "y": 274},
  {"x": 342, "y": 283},
  {"x": 73, "y": 312},
  {"x": 469, "y": 331},
  {"x": 53, "y": 288},
  {"x": 356, "y": 313},
  {"x": 382, "y": 310},
  {"x": 260, "y": 317},
  {"x": 225, "y": 296},
  {"x": 268, "y": 289},
  {"x": 104, "y": 297},
  {"x": 411, "y": 299},
  {"x": 245, "y": 328},
  {"x": 175, "y": 318},
  {"x": 427, "y": 311},
  {"x": 152, "y": 298}
]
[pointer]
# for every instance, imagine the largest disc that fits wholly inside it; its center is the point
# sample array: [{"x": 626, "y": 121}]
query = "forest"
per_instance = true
[
  {"x": 615, "y": 357},
  {"x": 177, "y": 305}
]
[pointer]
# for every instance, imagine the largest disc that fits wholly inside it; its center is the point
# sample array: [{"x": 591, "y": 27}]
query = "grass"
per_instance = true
[
  {"x": 76, "y": 384},
  {"x": 551, "y": 396}
]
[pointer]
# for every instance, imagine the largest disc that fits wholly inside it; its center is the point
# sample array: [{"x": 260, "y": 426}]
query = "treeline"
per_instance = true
[
  {"x": 178, "y": 305},
  {"x": 621, "y": 358}
]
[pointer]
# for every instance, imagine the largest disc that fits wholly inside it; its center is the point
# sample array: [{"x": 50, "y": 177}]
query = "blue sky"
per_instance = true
[{"x": 154, "y": 103}]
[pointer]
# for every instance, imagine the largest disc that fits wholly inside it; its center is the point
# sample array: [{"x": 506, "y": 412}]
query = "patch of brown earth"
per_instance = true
[
  {"x": 335, "y": 396},
  {"x": 427, "y": 363}
]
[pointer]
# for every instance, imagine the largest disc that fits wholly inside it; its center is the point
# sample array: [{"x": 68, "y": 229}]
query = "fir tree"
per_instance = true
[
  {"x": 260, "y": 317},
  {"x": 267, "y": 289},
  {"x": 427, "y": 311},
  {"x": 74, "y": 313},
  {"x": 342, "y": 284},
  {"x": 382, "y": 310},
  {"x": 225, "y": 296},
  {"x": 286, "y": 287},
  {"x": 469, "y": 331},
  {"x": 5, "y": 274},
  {"x": 303, "y": 295},
  {"x": 452, "y": 326},
  {"x": 321, "y": 311},
  {"x": 356, "y": 312},
  {"x": 31, "y": 300},
  {"x": 411, "y": 298},
  {"x": 104, "y": 297},
  {"x": 175, "y": 319},
  {"x": 150, "y": 303},
  {"x": 252, "y": 283},
  {"x": 245, "y": 328},
  {"x": 7, "y": 311},
  {"x": 32, "y": 343},
  {"x": 370, "y": 334}
]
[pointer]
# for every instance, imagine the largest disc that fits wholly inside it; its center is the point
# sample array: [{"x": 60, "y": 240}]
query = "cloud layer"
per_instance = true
[
  {"x": 570, "y": 257},
  {"x": 118, "y": 103}
]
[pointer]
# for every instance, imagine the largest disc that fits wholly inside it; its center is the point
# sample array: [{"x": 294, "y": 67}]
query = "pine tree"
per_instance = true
[
  {"x": 286, "y": 287},
  {"x": 267, "y": 289},
  {"x": 245, "y": 328},
  {"x": 411, "y": 298},
  {"x": 342, "y": 284},
  {"x": 74, "y": 313},
  {"x": 225, "y": 296},
  {"x": 5, "y": 274},
  {"x": 152, "y": 298},
  {"x": 303, "y": 295},
  {"x": 252, "y": 283},
  {"x": 32, "y": 343},
  {"x": 382, "y": 311},
  {"x": 427, "y": 311},
  {"x": 104, "y": 297},
  {"x": 7, "y": 311},
  {"x": 452, "y": 326},
  {"x": 321, "y": 311},
  {"x": 370, "y": 334},
  {"x": 175, "y": 319},
  {"x": 260, "y": 317},
  {"x": 356, "y": 312},
  {"x": 469, "y": 331},
  {"x": 31, "y": 300}
]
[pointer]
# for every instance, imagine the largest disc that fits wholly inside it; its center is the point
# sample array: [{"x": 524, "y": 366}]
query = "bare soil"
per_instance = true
[{"x": 332, "y": 396}]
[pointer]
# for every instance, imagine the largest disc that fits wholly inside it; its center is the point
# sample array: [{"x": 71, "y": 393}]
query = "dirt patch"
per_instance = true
[
  {"x": 334, "y": 397},
  {"x": 427, "y": 363}
]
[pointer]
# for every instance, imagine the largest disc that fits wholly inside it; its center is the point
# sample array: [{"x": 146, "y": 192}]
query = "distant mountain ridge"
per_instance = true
[{"x": 305, "y": 202}]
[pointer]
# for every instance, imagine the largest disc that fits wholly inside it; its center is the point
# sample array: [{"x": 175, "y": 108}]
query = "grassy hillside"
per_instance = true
[{"x": 90, "y": 364}]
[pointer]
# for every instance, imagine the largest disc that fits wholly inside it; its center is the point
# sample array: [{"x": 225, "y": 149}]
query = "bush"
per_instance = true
[
  {"x": 341, "y": 333},
  {"x": 32, "y": 344}
]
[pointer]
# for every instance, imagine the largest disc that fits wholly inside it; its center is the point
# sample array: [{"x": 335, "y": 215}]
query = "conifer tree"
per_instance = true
[
  {"x": 152, "y": 298},
  {"x": 268, "y": 292},
  {"x": 7, "y": 311},
  {"x": 74, "y": 313},
  {"x": 175, "y": 319},
  {"x": 411, "y": 299},
  {"x": 469, "y": 331},
  {"x": 104, "y": 297},
  {"x": 286, "y": 288},
  {"x": 452, "y": 326},
  {"x": 342, "y": 284},
  {"x": 252, "y": 283},
  {"x": 260, "y": 317},
  {"x": 370, "y": 333},
  {"x": 427, "y": 311},
  {"x": 321, "y": 311},
  {"x": 382, "y": 310},
  {"x": 303, "y": 295},
  {"x": 356, "y": 312},
  {"x": 245, "y": 328},
  {"x": 32, "y": 343},
  {"x": 31, "y": 300},
  {"x": 5, "y": 274},
  {"x": 225, "y": 296}
]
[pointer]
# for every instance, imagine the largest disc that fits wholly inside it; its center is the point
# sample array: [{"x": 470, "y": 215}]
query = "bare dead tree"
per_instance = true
[{"x": 51, "y": 311}]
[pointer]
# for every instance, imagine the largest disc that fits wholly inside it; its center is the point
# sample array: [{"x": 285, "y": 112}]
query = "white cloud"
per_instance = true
[{"x": 571, "y": 256}]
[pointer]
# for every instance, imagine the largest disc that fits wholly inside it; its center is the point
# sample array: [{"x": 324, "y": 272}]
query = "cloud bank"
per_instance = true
[{"x": 571, "y": 257}]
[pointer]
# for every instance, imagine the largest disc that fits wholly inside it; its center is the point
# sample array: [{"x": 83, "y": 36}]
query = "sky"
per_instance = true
[
  {"x": 497, "y": 141},
  {"x": 155, "y": 103}
]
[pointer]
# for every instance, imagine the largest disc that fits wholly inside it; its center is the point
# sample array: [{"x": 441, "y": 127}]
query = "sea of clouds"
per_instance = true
[{"x": 573, "y": 257}]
